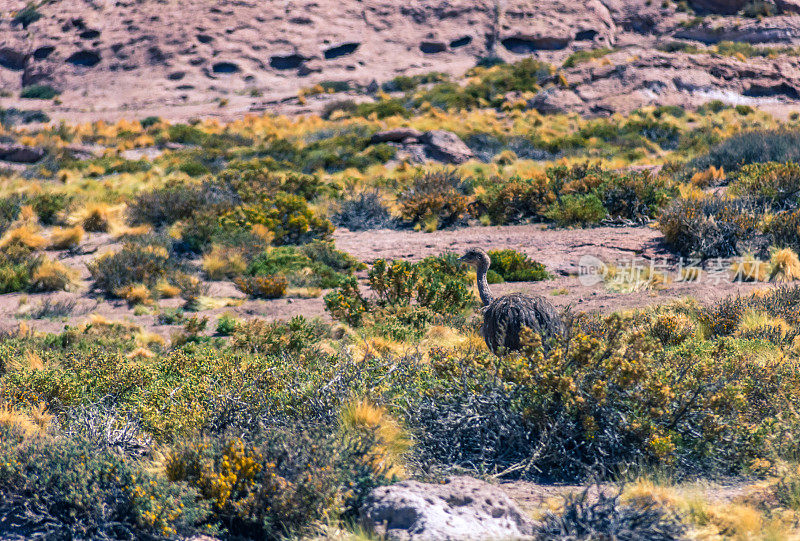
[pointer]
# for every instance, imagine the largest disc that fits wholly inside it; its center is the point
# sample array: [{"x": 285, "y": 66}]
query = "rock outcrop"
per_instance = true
[
  {"x": 461, "y": 509},
  {"x": 140, "y": 56},
  {"x": 436, "y": 145}
]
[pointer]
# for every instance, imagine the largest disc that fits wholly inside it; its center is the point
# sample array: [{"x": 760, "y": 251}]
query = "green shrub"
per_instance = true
[
  {"x": 773, "y": 183},
  {"x": 513, "y": 266},
  {"x": 305, "y": 267},
  {"x": 783, "y": 229},
  {"x": 516, "y": 200},
  {"x": 39, "y": 92},
  {"x": 581, "y": 210},
  {"x": 49, "y": 206},
  {"x": 383, "y": 108},
  {"x": 277, "y": 337},
  {"x": 66, "y": 488},
  {"x": 288, "y": 216},
  {"x": 226, "y": 325},
  {"x": 285, "y": 482},
  {"x": 171, "y": 203},
  {"x": 135, "y": 263},
  {"x": 438, "y": 285},
  {"x": 579, "y": 57}
]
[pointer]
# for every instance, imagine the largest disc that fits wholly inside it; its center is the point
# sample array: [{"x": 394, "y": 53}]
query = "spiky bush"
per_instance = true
[
  {"x": 710, "y": 226},
  {"x": 365, "y": 211},
  {"x": 585, "y": 518}
]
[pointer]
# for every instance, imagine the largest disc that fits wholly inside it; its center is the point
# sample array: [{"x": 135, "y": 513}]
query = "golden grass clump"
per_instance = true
[
  {"x": 785, "y": 266},
  {"x": 23, "y": 235},
  {"x": 223, "y": 262},
  {"x": 754, "y": 322},
  {"x": 390, "y": 440},
  {"x": 98, "y": 217},
  {"x": 29, "y": 423},
  {"x": 140, "y": 353},
  {"x": 166, "y": 290},
  {"x": 710, "y": 177},
  {"x": 53, "y": 276},
  {"x": 64, "y": 238},
  {"x": 135, "y": 294},
  {"x": 750, "y": 269}
]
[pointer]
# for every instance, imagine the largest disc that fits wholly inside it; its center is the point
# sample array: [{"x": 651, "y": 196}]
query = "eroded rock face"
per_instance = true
[
  {"x": 635, "y": 78},
  {"x": 461, "y": 509},
  {"x": 723, "y": 7}
]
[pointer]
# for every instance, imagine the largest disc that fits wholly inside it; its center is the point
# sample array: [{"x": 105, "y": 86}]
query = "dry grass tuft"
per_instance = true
[
  {"x": 135, "y": 294},
  {"x": 53, "y": 276},
  {"x": 140, "y": 353},
  {"x": 65, "y": 238},
  {"x": 166, "y": 290},
  {"x": 785, "y": 266},
  {"x": 223, "y": 262},
  {"x": 23, "y": 235},
  {"x": 710, "y": 177},
  {"x": 98, "y": 217},
  {"x": 750, "y": 269},
  {"x": 391, "y": 441}
]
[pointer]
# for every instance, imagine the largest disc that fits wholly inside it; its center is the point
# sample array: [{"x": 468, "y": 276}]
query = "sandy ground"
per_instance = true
[{"x": 562, "y": 251}]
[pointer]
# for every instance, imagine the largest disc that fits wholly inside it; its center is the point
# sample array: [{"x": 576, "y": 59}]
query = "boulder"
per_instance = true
[
  {"x": 461, "y": 509},
  {"x": 20, "y": 154},
  {"x": 556, "y": 101},
  {"x": 445, "y": 146},
  {"x": 396, "y": 135}
]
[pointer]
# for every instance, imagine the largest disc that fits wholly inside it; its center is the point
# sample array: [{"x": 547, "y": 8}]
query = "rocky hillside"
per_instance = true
[{"x": 108, "y": 56}]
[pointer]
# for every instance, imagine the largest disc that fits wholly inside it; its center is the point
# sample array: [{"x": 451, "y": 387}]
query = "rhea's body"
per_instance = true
[{"x": 504, "y": 317}]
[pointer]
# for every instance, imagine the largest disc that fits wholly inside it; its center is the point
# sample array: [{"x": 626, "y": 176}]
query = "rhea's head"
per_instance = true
[{"x": 476, "y": 257}]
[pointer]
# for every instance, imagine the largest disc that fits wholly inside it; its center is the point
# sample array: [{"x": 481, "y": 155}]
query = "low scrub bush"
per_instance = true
[
  {"x": 136, "y": 263},
  {"x": 513, "y": 266},
  {"x": 435, "y": 199},
  {"x": 755, "y": 146},
  {"x": 365, "y": 211},
  {"x": 516, "y": 200},
  {"x": 580, "y": 210},
  {"x": 438, "y": 285},
  {"x": 710, "y": 226},
  {"x": 584, "y": 518},
  {"x": 66, "y": 488},
  {"x": 317, "y": 264},
  {"x": 277, "y": 337},
  {"x": 267, "y": 287},
  {"x": 39, "y": 92},
  {"x": 774, "y": 184}
]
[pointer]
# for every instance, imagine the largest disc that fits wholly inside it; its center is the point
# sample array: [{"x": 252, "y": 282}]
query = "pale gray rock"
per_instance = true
[
  {"x": 461, "y": 509},
  {"x": 445, "y": 146}
]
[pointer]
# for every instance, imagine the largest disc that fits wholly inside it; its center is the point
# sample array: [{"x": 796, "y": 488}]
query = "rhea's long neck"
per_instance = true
[{"x": 483, "y": 285}]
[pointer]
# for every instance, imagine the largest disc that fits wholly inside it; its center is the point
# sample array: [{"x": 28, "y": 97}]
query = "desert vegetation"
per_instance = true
[{"x": 243, "y": 425}]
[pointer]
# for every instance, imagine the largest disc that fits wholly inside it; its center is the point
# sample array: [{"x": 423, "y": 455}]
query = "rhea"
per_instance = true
[{"x": 504, "y": 317}]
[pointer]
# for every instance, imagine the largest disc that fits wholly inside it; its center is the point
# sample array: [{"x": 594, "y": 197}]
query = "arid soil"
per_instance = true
[{"x": 562, "y": 251}]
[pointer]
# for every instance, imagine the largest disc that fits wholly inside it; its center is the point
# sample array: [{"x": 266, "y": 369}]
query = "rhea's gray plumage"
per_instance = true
[{"x": 505, "y": 317}]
